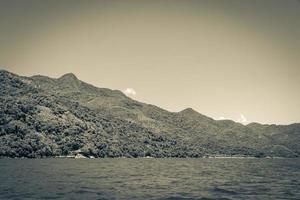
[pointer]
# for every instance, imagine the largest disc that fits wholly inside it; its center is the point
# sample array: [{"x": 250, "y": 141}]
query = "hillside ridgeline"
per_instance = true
[{"x": 46, "y": 117}]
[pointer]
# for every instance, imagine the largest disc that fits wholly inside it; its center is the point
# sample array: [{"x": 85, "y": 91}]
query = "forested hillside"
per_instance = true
[{"x": 43, "y": 117}]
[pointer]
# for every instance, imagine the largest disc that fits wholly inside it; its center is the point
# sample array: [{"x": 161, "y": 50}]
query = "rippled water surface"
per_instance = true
[{"x": 149, "y": 178}]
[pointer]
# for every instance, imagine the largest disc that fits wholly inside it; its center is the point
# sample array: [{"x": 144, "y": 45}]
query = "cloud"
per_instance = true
[
  {"x": 129, "y": 92},
  {"x": 241, "y": 119}
]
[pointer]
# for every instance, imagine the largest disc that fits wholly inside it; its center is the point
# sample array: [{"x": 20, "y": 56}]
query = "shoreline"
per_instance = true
[{"x": 148, "y": 157}]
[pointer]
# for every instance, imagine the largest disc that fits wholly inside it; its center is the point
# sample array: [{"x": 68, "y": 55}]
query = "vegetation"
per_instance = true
[{"x": 44, "y": 117}]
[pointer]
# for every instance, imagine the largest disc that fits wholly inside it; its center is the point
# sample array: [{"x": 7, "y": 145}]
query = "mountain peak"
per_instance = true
[
  {"x": 70, "y": 82},
  {"x": 188, "y": 111},
  {"x": 68, "y": 76}
]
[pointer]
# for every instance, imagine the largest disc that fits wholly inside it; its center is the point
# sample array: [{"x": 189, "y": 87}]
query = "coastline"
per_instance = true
[{"x": 149, "y": 157}]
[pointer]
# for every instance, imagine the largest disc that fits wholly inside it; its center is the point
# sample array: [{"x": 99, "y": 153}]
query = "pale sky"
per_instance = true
[{"x": 236, "y": 59}]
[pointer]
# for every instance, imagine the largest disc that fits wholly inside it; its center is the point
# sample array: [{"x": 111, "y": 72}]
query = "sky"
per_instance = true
[{"x": 227, "y": 59}]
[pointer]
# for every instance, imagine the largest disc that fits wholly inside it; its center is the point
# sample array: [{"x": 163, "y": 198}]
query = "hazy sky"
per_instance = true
[{"x": 229, "y": 58}]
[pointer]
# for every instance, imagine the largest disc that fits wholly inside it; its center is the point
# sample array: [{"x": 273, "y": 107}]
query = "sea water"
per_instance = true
[{"x": 141, "y": 178}]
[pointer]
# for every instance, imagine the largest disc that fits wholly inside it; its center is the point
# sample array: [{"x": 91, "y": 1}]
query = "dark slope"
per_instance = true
[{"x": 42, "y": 116}]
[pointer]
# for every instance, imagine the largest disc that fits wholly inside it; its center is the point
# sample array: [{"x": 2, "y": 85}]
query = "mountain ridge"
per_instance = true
[
  {"x": 61, "y": 116},
  {"x": 188, "y": 109}
]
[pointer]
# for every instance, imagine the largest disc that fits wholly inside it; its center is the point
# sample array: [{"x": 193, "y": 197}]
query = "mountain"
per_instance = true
[{"x": 44, "y": 117}]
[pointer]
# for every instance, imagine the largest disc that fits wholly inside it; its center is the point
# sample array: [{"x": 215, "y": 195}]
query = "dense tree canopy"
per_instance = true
[{"x": 43, "y": 117}]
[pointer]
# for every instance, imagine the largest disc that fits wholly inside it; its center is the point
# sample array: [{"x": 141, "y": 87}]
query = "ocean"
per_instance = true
[{"x": 142, "y": 178}]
